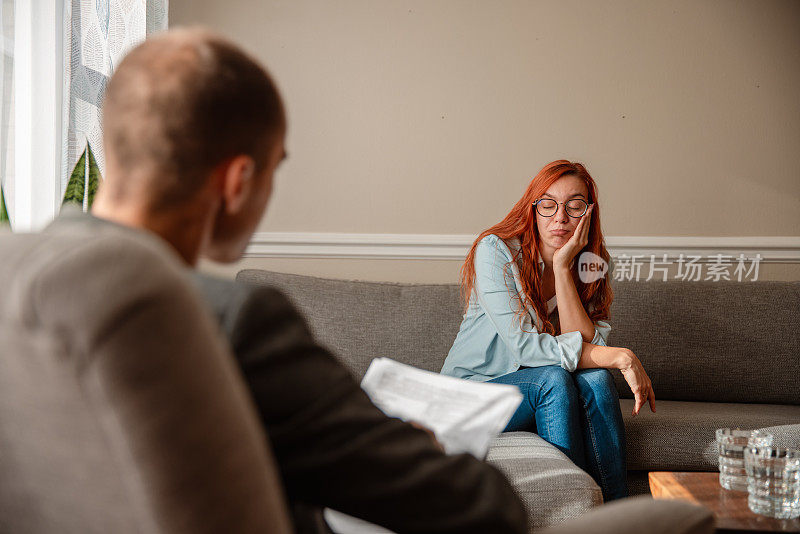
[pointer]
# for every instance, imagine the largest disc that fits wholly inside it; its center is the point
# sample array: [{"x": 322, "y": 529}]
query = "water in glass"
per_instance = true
[
  {"x": 773, "y": 481},
  {"x": 731, "y": 444}
]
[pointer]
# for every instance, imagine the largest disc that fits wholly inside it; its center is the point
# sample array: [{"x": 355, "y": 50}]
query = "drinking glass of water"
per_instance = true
[
  {"x": 773, "y": 481},
  {"x": 731, "y": 443}
]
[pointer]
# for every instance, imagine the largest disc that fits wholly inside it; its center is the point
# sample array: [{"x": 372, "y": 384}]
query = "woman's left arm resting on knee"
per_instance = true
[
  {"x": 595, "y": 356},
  {"x": 573, "y": 317}
]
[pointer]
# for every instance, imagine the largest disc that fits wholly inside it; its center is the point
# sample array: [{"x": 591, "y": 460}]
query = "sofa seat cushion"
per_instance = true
[
  {"x": 680, "y": 436},
  {"x": 553, "y": 488},
  {"x": 787, "y": 436}
]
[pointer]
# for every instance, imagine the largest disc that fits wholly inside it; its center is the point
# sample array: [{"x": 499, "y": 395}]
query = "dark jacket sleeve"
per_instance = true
[{"x": 336, "y": 449}]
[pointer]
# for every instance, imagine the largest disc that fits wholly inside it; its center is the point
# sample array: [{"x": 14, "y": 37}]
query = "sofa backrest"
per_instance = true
[
  {"x": 714, "y": 341},
  {"x": 709, "y": 341},
  {"x": 121, "y": 410}
]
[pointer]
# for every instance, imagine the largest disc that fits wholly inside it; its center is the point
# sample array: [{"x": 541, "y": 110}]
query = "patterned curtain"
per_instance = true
[
  {"x": 6, "y": 108},
  {"x": 97, "y": 34}
]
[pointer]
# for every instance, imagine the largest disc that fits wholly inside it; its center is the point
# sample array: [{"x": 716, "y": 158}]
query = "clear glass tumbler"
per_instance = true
[
  {"x": 773, "y": 481},
  {"x": 731, "y": 443}
]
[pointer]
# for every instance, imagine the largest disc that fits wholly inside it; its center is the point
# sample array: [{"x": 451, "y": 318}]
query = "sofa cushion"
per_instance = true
[
  {"x": 551, "y": 486},
  {"x": 680, "y": 436},
  {"x": 787, "y": 436},
  {"x": 638, "y": 483},
  {"x": 359, "y": 321},
  {"x": 712, "y": 341}
]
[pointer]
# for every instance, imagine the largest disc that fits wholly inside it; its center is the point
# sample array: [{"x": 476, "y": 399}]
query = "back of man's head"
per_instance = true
[{"x": 177, "y": 106}]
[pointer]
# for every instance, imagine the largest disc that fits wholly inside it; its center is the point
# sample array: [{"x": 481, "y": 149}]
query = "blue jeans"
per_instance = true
[{"x": 578, "y": 413}]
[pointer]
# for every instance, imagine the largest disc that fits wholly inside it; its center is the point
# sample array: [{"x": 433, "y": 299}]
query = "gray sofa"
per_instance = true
[{"x": 719, "y": 354}]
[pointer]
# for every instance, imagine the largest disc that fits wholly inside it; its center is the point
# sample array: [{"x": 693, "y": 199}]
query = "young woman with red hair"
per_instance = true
[{"x": 530, "y": 321}]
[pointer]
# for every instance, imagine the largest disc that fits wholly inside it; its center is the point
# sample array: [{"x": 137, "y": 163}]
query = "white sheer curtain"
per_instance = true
[
  {"x": 97, "y": 34},
  {"x": 6, "y": 109},
  {"x": 56, "y": 57}
]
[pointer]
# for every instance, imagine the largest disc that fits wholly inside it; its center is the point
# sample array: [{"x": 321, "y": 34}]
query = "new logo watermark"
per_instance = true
[{"x": 592, "y": 267}]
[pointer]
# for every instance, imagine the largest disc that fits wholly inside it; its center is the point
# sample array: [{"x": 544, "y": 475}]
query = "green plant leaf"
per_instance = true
[
  {"x": 4, "y": 218},
  {"x": 77, "y": 183},
  {"x": 94, "y": 177}
]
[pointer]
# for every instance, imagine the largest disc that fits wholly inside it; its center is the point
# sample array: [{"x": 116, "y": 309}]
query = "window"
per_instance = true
[{"x": 56, "y": 57}]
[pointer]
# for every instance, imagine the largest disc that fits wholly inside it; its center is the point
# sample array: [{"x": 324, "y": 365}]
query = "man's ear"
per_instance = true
[{"x": 237, "y": 183}]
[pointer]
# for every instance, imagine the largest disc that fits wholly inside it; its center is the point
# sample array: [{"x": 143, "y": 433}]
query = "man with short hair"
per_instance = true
[{"x": 193, "y": 131}]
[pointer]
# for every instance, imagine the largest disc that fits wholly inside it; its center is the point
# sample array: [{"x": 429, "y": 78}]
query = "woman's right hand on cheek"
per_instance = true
[{"x": 636, "y": 377}]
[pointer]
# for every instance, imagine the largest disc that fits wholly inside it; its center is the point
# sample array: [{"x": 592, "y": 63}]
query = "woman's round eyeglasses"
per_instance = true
[{"x": 547, "y": 207}]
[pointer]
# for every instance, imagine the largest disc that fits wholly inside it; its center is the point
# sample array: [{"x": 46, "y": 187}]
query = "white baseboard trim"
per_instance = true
[{"x": 773, "y": 249}]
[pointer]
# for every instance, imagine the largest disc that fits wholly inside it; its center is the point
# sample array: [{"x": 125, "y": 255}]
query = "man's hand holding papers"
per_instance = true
[{"x": 463, "y": 415}]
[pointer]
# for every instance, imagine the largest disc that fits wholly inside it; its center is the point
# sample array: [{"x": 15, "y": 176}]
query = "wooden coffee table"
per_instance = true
[{"x": 730, "y": 508}]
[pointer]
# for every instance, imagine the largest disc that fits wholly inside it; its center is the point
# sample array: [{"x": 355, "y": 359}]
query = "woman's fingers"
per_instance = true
[
  {"x": 587, "y": 218},
  {"x": 641, "y": 386},
  {"x": 638, "y": 402},
  {"x": 582, "y": 230},
  {"x": 578, "y": 234},
  {"x": 652, "y": 398},
  {"x": 579, "y": 238},
  {"x": 645, "y": 397}
]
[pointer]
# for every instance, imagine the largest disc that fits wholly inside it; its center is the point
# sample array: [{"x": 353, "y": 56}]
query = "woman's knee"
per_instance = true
[
  {"x": 595, "y": 377},
  {"x": 554, "y": 381},
  {"x": 597, "y": 385}
]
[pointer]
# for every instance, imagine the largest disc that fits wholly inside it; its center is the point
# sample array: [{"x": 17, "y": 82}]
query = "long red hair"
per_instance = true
[{"x": 521, "y": 223}]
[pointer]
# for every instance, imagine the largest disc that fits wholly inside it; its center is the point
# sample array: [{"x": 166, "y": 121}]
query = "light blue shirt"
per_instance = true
[{"x": 491, "y": 342}]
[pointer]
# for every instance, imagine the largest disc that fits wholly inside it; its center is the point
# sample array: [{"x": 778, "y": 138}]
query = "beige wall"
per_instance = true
[{"x": 430, "y": 117}]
